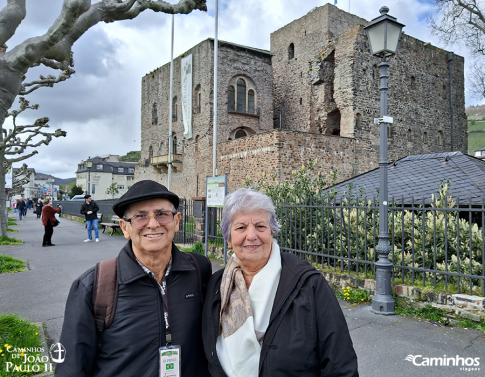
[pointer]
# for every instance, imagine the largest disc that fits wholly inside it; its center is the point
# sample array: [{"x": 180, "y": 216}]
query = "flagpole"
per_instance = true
[
  {"x": 216, "y": 48},
  {"x": 170, "y": 120}
]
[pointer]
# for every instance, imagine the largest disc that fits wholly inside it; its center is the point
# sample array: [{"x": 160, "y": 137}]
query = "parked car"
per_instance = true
[{"x": 78, "y": 197}]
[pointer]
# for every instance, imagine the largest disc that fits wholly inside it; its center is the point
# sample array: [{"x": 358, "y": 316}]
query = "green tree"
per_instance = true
[
  {"x": 52, "y": 50},
  {"x": 112, "y": 190},
  {"x": 76, "y": 190}
]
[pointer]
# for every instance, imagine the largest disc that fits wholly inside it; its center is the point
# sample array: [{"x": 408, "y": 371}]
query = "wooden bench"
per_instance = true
[{"x": 114, "y": 225}]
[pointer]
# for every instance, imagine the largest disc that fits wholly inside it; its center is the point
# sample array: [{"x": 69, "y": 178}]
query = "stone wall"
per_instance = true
[{"x": 283, "y": 151}]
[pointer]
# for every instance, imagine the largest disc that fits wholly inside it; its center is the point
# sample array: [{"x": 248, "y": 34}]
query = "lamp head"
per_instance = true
[{"x": 383, "y": 34}]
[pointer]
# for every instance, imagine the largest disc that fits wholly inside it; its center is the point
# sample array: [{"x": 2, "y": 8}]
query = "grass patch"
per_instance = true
[
  {"x": 427, "y": 312},
  {"x": 4, "y": 240},
  {"x": 469, "y": 324},
  {"x": 11, "y": 264},
  {"x": 12, "y": 230},
  {"x": 354, "y": 296},
  {"x": 196, "y": 248},
  {"x": 17, "y": 334}
]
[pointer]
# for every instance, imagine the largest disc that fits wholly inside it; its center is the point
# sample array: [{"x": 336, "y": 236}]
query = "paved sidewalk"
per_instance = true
[{"x": 382, "y": 343}]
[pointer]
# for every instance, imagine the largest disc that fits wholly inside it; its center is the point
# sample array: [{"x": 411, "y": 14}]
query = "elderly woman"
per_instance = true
[{"x": 270, "y": 313}]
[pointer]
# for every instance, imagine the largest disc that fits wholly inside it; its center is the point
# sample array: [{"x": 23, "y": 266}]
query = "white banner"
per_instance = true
[{"x": 187, "y": 95}]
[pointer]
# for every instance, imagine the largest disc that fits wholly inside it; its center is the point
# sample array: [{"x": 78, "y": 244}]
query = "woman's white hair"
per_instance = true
[{"x": 247, "y": 201}]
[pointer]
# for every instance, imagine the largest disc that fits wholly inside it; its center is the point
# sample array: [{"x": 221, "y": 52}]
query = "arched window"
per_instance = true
[
  {"x": 251, "y": 101},
  {"x": 410, "y": 135},
  {"x": 150, "y": 152},
  {"x": 197, "y": 143},
  {"x": 425, "y": 138},
  {"x": 231, "y": 98},
  {"x": 241, "y": 95},
  {"x": 240, "y": 133},
  {"x": 291, "y": 51},
  {"x": 154, "y": 114},
  {"x": 440, "y": 137}
]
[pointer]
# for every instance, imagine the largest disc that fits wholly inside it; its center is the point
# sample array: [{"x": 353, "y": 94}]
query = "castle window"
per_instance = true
[
  {"x": 197, "y": 143},
  {"x": 410, "y": 136},
  {"x": 413, "y": 82},
  {"x": 333, "y": 123},
  {"x": 440, "y": 137},
  {"x": 389, "y": 131},
  {"x": 174, "y": 109},
  {"x": 425, "y": 138},
  {"x": 291, "y": 51},
  {"x": 251, "y": 101},
  {"x": 154, "y": 114},
  {"x": 240, "y": 133},
  {"x": 150, "y": 152},
  {"x": 174, "y": 149},
  {"x": 241, "y": 96},
  {"x": 231, "y": 98},
  {"x": 301, "y": 101},
  {"x": 199, "y": 97}
]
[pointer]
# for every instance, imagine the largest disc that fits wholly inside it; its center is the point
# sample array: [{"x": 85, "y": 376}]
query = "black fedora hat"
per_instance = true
[{"x": 144, "y": 190}]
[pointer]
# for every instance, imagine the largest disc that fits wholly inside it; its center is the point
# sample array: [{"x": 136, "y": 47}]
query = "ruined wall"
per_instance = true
[
  {"x": 283, "y": 151},
  {"x": 234, "y": 61},
  {"x": 331, "y": 86}
]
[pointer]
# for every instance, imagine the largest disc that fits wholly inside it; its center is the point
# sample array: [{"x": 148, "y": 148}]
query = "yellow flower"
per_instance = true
[
  {"x": 36, "y": 333},
  {"x": 3, "y": 355},
  {"x": 22, "y": 354},
  {"x": 6, "y": 345},
  {"x": 361, "y": 299}
]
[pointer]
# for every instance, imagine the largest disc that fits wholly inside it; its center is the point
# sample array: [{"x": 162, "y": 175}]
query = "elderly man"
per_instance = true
[{"x": 159, "y": 299}]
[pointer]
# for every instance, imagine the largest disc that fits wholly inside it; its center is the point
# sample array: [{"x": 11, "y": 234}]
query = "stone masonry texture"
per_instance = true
[{"x": 316, "y": 96}]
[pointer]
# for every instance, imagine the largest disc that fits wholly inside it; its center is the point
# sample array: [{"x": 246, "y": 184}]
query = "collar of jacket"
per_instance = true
[{"x": 129, "y": 269}]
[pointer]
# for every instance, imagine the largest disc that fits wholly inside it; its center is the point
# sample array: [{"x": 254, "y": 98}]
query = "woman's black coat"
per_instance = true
[{"x": 307, "y": 333}]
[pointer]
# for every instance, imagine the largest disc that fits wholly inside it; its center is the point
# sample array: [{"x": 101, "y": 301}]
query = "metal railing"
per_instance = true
[
  {"x": 433, "y": 244},
  {"x": 186, "y": 233}
]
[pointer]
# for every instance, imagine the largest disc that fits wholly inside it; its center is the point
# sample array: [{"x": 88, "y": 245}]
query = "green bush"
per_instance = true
[
  {"x": 10, "y": 264},
  {"x": 197, "y": 247}
]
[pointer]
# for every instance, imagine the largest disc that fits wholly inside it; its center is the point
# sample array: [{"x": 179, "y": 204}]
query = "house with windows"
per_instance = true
[
  {"x": 102, "y": 174},
  {"x": 480, "y": 153},
  {"x": 314, "y": 95}
]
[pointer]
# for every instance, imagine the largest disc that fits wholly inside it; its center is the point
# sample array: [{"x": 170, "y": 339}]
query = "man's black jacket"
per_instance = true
[
  {"x": 130, "y": 346},
  {"x": 91, "y": 206},
  {"x": 307, "y": 335}
]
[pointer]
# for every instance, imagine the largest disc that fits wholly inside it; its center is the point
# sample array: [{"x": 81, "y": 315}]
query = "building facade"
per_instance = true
[
  {"x": 104, "y": 172},
  {"x": 314, "y": 95}
]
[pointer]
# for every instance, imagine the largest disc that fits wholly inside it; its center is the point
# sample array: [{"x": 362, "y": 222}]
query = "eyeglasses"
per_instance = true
[{"x": 141, "y": 221}]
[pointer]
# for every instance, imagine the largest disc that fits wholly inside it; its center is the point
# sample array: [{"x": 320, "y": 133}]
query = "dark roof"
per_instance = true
[
  {"x": 109, "y": 166},
  {"x": 481, "y": 149},
  {"x": 420, "y": 176}
]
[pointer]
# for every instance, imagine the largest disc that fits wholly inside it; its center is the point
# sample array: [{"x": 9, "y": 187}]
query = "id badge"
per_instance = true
[{"x": 170, "y": 361}]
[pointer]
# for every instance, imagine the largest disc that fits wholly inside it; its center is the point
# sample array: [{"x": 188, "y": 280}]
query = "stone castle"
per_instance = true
[{"x": 313, "y": 96}]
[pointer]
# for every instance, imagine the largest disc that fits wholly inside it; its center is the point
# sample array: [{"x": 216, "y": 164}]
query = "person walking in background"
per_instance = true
[
  {"x": 25, "y": 207},
  {"x": 20, "y": 208},
  {"x": 29, "y": 203},
  {"x": 90, "y": 210},
  {"x": 38, "y": 208},
  {"x": 49, "y": 221},
  {"x": 14, "y": 205}
]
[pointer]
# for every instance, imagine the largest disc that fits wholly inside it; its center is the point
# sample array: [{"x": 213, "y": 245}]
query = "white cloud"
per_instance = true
[{"x": 100, "y": 106}]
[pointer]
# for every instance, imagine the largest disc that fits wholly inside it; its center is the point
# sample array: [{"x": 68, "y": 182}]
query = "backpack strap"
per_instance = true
[
  {"x": 203, "y": 278},
  {"x": 105, "y": 294}
]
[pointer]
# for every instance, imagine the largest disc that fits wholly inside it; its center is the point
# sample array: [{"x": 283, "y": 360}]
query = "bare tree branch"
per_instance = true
[
  {"x": 48, "y": 81},
  {"x": 10, "y": 18}
]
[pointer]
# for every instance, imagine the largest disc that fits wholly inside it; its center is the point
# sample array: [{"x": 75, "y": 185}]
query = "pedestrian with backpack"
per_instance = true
[
  {"x": 139, "y": 314},
  {"x": 90, "y": 211}
]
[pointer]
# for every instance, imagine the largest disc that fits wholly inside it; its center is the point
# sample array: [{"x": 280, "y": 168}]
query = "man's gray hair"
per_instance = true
[{"x": 246, "y": 201}]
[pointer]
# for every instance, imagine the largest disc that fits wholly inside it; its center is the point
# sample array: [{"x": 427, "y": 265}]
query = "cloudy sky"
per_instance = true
[{"x": 99, "y": 106}]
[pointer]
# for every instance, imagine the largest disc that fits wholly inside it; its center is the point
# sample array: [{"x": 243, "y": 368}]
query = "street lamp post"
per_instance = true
[
  {"x": 383, "y": 34},
  {"x": 89, "y": 165}
]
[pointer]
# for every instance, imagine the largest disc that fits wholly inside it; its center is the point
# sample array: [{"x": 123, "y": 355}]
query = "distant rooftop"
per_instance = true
[{"x": 420, "y": 176}]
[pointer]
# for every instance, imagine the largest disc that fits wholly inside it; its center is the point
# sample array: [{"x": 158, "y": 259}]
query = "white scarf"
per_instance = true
[{"x": 244, "y": 324}]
